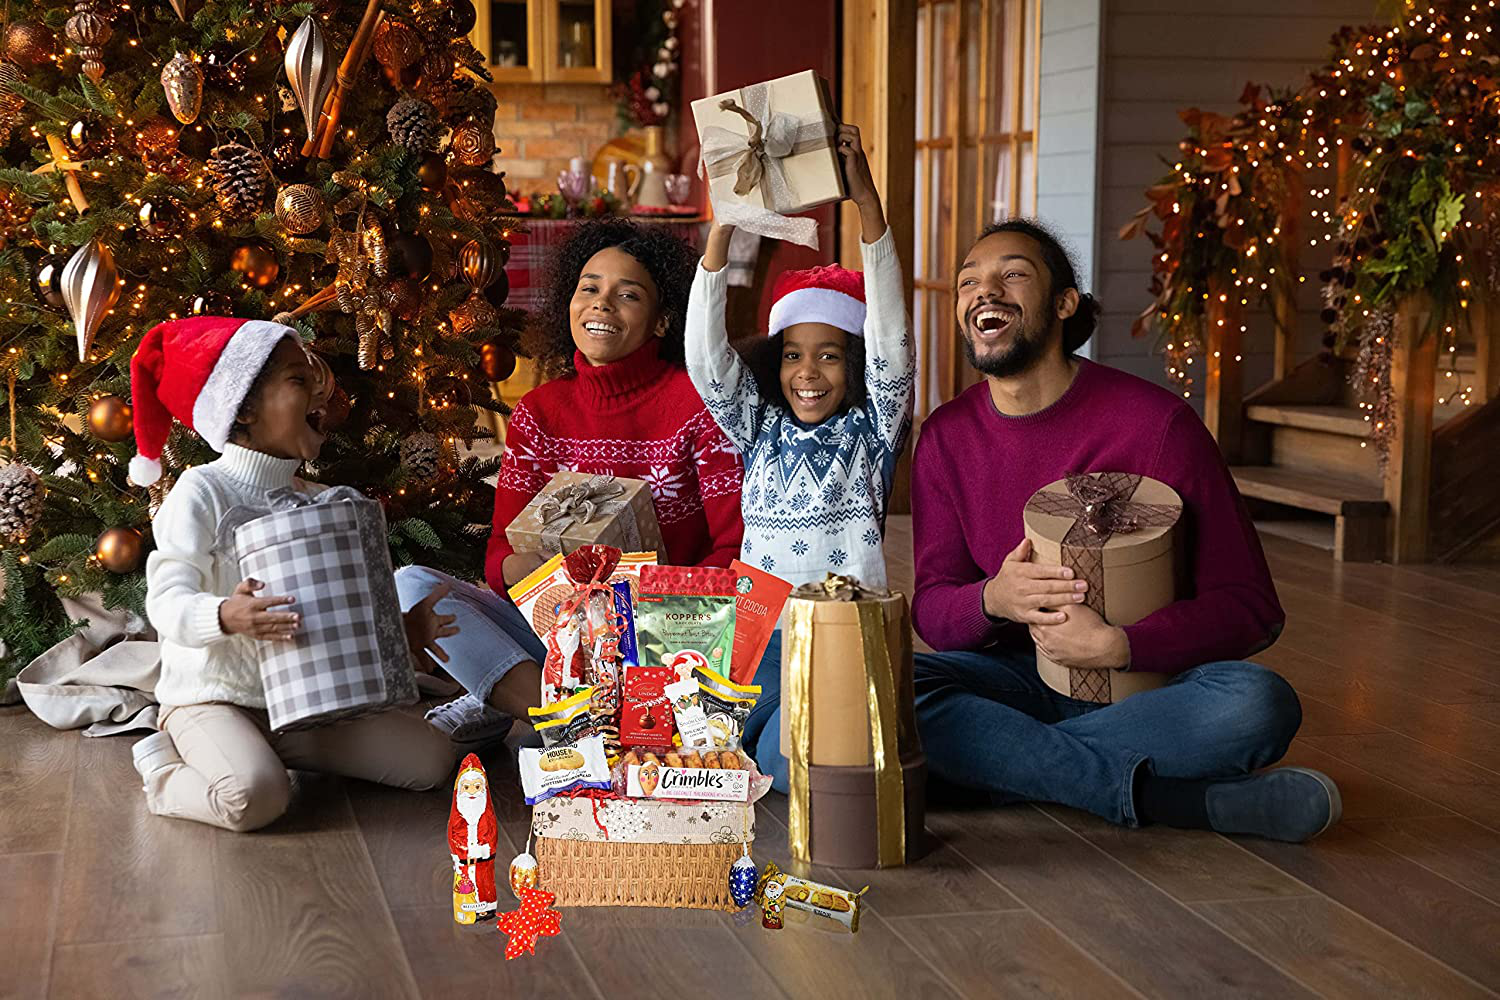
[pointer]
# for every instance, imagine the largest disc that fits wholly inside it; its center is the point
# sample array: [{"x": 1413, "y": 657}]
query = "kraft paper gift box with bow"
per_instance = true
[
  {"x": 581, "y": 508},
  {"x": 848, "y": 727},
  {"x": 330, "y": 552},
  {"x": 769, "y": 151},
  {"x": 1117, "y": 531}
]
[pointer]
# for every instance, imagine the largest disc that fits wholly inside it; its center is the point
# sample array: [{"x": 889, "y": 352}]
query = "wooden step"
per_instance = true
[
  {"x": 1325, "y": 494},
  {"x": 1348, "y": 421}
]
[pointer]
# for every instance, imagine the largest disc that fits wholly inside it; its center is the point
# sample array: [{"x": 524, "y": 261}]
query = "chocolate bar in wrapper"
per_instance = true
[{"x": 815, "y": 897}]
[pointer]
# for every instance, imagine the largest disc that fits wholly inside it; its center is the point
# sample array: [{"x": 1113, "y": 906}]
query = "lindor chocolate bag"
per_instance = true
[{"x": 684, "y": 618}]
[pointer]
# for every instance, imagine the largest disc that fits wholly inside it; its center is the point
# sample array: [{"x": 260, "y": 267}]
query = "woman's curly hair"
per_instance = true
[{"x": 668, "y": 260}]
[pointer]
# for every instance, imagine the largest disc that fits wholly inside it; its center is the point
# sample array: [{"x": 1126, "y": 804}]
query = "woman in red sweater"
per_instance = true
[{"x": 618, "y": 400}]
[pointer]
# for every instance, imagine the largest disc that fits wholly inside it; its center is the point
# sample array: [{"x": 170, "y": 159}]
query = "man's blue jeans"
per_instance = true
[
  {"x": 492, "y": 634},
  {"x": 989, "y": 723}
]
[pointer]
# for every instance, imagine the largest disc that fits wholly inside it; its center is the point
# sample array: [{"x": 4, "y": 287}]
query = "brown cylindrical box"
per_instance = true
[{"x": 844, "y": 832}]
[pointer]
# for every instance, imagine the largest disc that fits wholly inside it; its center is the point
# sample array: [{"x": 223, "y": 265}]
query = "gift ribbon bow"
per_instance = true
[
  {"x": 281, "y": 499},
  {"x": 880, "y": 697},
  {"x": 755, "y": 161},
  {"x": 1101, "y": 507},
  {"x": 579, "y": 503}
]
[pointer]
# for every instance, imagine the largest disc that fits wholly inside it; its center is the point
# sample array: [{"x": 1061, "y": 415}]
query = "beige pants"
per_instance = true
[{"x": 233, "y": 772}]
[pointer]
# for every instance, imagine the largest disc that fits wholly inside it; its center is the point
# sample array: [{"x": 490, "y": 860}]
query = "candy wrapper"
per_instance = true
[
  {"x": 814, "y": 897},
  {"x": 625, "y": 608},
  {"x": 758, "y": 600},
  {"x": 646, "y": 718},
  {"x": 684, "y": 617},
  {"x": 566, "y": 721},
  {"x": 546, "y": 772},
  {"x": 727, "y": 705},
  {"x": 692, "y": 723}
]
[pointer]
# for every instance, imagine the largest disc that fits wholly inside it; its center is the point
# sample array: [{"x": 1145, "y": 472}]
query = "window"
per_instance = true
[{"x": 977, "y": 66}]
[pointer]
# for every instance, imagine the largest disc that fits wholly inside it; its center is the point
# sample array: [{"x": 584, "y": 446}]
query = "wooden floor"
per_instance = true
[{"x": 348, "y": 895}]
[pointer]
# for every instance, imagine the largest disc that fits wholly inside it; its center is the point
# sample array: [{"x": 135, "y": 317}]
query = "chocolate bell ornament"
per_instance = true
[
  {"x": 299, "y": 208},
  {"x": 310, "y": 69},
  {"x": 182, "y": 82},
  {"x": 90, "y": 285},
  {"x": 119, "y": 550},
  {"x": 473, "y": 143},
  {"x": 743, "y": 876},
  {"x": 110, "y": 419},
  {"x": 257, "y": 262},
  {"x": 497, "y": 362}
]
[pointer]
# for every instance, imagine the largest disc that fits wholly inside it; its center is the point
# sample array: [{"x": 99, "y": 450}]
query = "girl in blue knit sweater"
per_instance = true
[{"x": 822, "y": 409}]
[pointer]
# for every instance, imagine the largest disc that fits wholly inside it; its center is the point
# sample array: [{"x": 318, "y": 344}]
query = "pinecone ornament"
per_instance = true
[
  {"x": 413, "y": 125},
  {"x": 419, "y": 456},
  {"x": 241, "y": 177},
  {"x": 21, "y": 496}
]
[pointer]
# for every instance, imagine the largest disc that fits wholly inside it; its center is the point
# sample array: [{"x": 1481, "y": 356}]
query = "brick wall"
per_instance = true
[{"x": 540, "y": 127}]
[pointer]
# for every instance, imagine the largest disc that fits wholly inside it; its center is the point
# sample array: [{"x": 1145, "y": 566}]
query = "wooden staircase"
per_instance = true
[{"x": 1300, "y": 451}]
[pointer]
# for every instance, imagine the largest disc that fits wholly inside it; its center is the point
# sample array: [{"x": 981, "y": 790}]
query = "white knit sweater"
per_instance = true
[{"x": 186, "y": 582}]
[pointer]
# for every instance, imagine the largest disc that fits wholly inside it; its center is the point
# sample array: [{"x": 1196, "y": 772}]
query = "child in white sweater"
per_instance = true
[{"x": 249, "y": 389}]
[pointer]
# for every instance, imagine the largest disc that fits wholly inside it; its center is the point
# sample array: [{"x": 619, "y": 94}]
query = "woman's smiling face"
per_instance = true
[{"x": 615, "y": 307}]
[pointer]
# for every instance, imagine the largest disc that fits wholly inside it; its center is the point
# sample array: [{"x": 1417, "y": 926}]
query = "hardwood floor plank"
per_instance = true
[
  {"x": 1335, "y": 952},
  {"x": 305, "y": 912},
  {"x": 1135, "y": 930},
  {"x": 1365, "y": 796},
  {"x": 1008, "y": 955},
  {"x": 1319, "y": 718},
  {"x": 1422, "y": 908},
  {"x": 129, "y": 874},
  {"x": 1188, "y": 865},
  {"x": 694, "y": 953},
  {"x": 28, "y": 914},
  {"x": 188, "y": 967},
  {"x": 450, "y": 962},
  {"x": 36, "y": 781},
  {"x": 1454, "y": 847},
  {"x": 1465, "y": 788},
  {"x": 407, "y": 836}
]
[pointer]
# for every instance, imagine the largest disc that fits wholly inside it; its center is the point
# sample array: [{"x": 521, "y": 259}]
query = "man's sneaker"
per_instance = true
[
  {"x": 469, "y": 722},
  {"x": 1293, "y": 804},
  {"x": 153, "y": 753}
]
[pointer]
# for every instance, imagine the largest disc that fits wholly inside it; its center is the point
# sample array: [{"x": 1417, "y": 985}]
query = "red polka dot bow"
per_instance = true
[{"x": 533, "y": 920}]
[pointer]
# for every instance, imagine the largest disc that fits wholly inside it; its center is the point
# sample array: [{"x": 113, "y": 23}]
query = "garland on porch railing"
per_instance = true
[{"x": 1410, "y": 115}]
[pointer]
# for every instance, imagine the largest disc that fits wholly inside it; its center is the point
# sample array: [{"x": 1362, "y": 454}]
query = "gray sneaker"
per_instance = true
[
  {"x": 470, "y": 723},
  {"x": 1293, "y": 804}
]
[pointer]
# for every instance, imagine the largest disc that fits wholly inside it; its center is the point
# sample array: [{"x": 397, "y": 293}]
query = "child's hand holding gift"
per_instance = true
[
  {"x": 424, "y": 627},
  {"x": 242, "y": 613},
  {"x": 860, "y": 183}
]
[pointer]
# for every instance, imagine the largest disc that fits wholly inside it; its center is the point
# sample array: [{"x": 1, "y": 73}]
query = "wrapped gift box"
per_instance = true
[
  {"x": 350, "y": 656},
  {"x": 769, "y": 150},
  {"x": 857, "y": 779},
  {"x": 581, "y": 508},
  {"x": 1117, "y": 531}
]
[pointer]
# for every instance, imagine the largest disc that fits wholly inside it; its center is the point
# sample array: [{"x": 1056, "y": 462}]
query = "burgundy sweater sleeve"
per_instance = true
[
  {"x": 1231, "y": 610},
  {"x": 520, "y": 479},
  {"x": 947, "y": 609},
  {"x": 720, "y": 477}
]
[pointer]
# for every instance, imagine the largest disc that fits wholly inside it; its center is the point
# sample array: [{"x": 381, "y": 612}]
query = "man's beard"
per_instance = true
[{"x": 1024, "y": 351}]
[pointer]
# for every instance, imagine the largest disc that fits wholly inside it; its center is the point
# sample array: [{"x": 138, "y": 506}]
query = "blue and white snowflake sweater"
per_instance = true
[{"x": 815, "y": 496}]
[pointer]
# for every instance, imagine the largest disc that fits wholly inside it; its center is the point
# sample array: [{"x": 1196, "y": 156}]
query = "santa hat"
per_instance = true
[
  {"x": 830, "y": 294},
  {"x": 198, "y": 370}
]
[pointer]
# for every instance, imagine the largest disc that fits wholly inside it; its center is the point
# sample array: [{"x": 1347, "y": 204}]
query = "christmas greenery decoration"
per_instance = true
[
  {"x": 183, "y": 194},
  {"x": 1404, "y": 122},
  {"x": 650, "y": 89}
]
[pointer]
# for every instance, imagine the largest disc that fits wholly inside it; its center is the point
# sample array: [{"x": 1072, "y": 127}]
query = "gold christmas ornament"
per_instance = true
[
  {"x": 110, "y": 419},
  {"x": 479, "y": 264},
  {"x": 497, "y": 362},
  {"x": 182, "y": 82},
  {"x": 473, "y": 313},
  {"x": 119, "y": 550},
  {"x": 299, "y": 208},
  {"x": 257, "y": 262},
  {"x": 30, "y": 43},
  {"x": 310, "y": 70},
  {"x": 89, "y": 285},
  {"x": 397, "y": 45},
  {"x": 89, "y": 32},
  {"x": 473, "y": 143},
  {"x": 372, "y": 240}
]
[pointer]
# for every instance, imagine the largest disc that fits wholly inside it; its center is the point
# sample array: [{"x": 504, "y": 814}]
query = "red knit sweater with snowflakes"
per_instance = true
[{"x": 637, "y": 418}]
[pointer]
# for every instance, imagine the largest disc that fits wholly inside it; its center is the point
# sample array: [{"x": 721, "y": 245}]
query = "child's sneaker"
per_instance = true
[
  {"x": 154, "y": 753},
  {"x": 470, "y": 723}
]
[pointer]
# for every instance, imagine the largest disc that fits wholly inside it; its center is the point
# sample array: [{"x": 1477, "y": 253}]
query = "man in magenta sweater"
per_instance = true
[{"x": 1182, "y": 754}]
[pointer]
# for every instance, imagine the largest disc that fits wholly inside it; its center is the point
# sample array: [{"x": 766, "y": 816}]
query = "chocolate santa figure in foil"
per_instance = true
[
  {"x": 473, "y": 836},
  {"x": 772, "y": 892}
]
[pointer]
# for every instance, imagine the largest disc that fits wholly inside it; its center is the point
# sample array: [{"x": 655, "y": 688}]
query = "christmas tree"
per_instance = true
[{"x": 322, "y": 164}]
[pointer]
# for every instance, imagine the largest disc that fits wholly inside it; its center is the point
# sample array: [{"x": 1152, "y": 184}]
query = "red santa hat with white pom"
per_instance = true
[
  {"x": 199, "y": 371},
  {"x": 830, "y": 294}
]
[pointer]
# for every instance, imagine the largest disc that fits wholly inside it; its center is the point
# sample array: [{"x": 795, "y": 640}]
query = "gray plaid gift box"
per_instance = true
[{"x": 350, "y": 657}]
